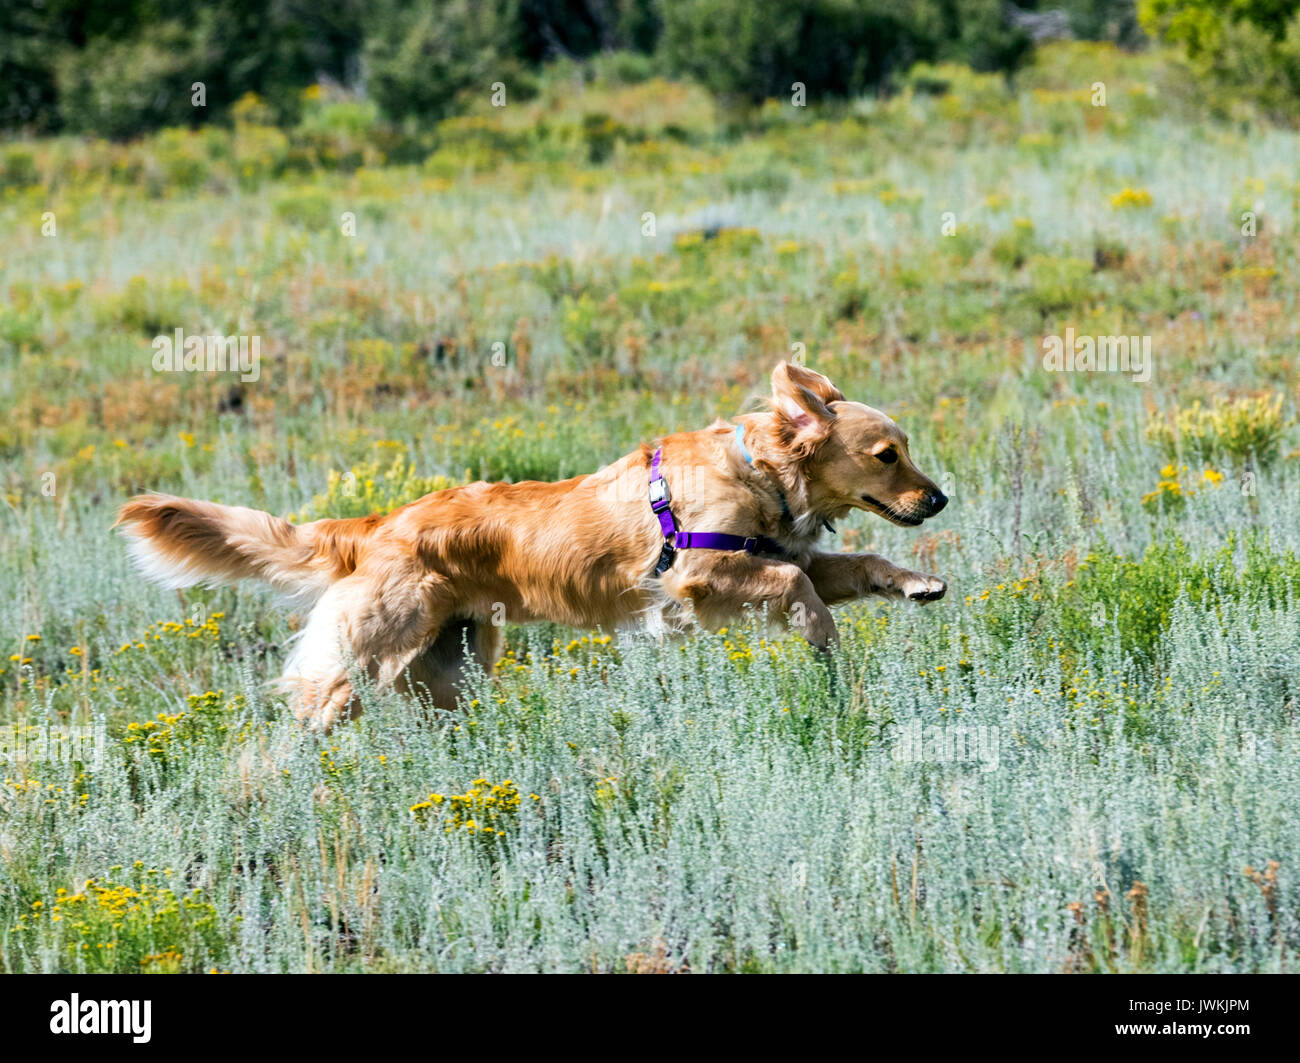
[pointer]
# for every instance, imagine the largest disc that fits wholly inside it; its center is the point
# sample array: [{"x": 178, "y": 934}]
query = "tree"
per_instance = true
[
  {"x": 1242, "y": 49},
  {"x": 1200, "y": 25},
  {"x": 754, "y": 51}
]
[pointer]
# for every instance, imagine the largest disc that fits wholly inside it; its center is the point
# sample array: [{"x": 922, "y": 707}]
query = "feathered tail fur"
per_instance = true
[{"x": 183, "y": 542}]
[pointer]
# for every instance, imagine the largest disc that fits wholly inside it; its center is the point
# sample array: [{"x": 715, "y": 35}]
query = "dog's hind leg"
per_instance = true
[
  {"x": 315, "y": 675},
  {"x": 379, "y": 624},
  {"x": 440, "y": 668}
]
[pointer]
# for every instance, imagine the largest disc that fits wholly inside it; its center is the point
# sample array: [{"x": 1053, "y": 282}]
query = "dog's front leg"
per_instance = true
[
  {"x": 719, "y": 586},
  {"x": 843, "y": 577}
]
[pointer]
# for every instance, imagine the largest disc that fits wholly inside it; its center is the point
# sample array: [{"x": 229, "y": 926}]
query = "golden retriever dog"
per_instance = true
[{"x": 699, "y": 527}]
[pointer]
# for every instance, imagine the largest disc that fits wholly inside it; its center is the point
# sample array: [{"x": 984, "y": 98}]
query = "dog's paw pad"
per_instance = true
[{"x": 926, "y": 589}]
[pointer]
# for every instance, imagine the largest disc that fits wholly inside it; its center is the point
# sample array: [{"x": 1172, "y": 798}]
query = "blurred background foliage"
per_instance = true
[
  {"x": 1244, "y": 51},
  {"x": 120, "y": 68}
]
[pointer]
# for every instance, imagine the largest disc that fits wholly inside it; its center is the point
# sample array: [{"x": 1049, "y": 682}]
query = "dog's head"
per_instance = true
[{"x": 849, "y": 455}]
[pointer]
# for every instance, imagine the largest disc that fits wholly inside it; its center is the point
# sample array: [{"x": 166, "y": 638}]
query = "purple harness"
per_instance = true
[{"x": 675, "y": 540}]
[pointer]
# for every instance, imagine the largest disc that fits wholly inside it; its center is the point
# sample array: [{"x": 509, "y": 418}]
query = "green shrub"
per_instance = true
[
  {"x": 118, "y": 88},
  {"x": 1238, "y": 431},
  {"x": 623, "y": 67},
  {"x": 125, "y": 923},
  {"x": 834, "y": 47},
  {"x": 1058, "y": 283},
  {"x": 601, "y": 133},
  {"x": 146, "y": 309},
  {"x": 18, "y": 168},
  {"x": 771, "y": 180},
  {"x": 1241, "y": 51},
  {"x": 1134, "y": 597},
  {"x": 422, "y": 57},
  {"x": 1014, "y": 247},
  {"x": 371, "y": 487},
  {"x": 29, "y": 37},
  {"x": 310, "y": 207}
]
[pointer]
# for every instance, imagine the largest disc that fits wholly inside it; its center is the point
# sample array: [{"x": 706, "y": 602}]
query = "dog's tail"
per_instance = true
[{"x": 181, "y": 542}]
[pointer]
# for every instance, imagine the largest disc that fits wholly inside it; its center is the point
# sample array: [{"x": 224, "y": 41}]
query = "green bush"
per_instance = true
[
  {"x": 119, "y": 88},
  {"x": 1247, "y": 50},
  {"x": 1236, "y": 432},
  {"x": 136, "y": 922},
  {"x": 421, "y": 58},
  {"x": 834, "y": 47},
  {"x": 120, "y": 70},
  {"x": 1058, "y": 283},
  {"x": 28, "y": 39},
  {"x": 623, "y": 68},
  {"x": 1134, "y": 597},
  {"x": 310, "y": 208},
  {"x": 18, "y": 168},
  {"x": 371, "y": 487},
  {"x": 1013, "y": 247}
]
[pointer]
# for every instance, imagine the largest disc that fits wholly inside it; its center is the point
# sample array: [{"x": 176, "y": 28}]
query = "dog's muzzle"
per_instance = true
[{"x": 931, "y": 503}]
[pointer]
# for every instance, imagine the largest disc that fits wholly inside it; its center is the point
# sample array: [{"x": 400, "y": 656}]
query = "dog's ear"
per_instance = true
[
  {"x": 800, "y": 400},
  {"x": 787, "y": 374}
]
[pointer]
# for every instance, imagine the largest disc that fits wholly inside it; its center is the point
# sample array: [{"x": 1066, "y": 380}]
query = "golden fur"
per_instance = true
[{"x": 404, "y": 596}]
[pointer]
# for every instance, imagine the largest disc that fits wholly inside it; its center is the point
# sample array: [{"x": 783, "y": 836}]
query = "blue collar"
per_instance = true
[
  {"x": 744, "y": 450},
  {"x": 749, "y": 460}
]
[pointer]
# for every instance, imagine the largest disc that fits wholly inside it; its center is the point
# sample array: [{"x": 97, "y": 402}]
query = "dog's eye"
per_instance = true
[{"x": 888, "y": 456}]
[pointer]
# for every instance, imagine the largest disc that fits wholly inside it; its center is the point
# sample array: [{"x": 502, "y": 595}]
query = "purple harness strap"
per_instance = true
[{"x": 675, "y": 540}]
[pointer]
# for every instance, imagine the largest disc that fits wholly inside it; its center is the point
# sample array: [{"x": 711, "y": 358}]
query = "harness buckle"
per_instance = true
[
  {"x": 666, "y": 556},
  {"x": 751, "y": 545},
  {"x": 658, "y": 491}
]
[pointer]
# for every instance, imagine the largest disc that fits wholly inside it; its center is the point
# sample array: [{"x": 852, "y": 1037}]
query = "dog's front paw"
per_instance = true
[{"x": 918, "y": 588}]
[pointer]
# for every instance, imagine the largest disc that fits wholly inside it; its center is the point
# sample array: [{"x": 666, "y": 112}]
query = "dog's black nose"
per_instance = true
[{"x": 937, "y": 501}]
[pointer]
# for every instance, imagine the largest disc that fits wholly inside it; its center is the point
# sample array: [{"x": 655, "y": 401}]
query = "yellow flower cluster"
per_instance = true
[
  {"x": 1093, "y": 696},
  {"x": 54, "y": 795},
  {"x": 509, "y": 662},
  {"x": 1016, "y": 589},
  {"x": 112, "y": 925},
  {"x": 167, "y": 962},
  {"x": 561, "y": 656},
  {"x": 1170, "y": 489},
  {"x": 1131, "y": 199},
  {"x": 153, "y": 733},
  {"x": 19, "y": 658},
  {"x": 740, "y": 648},
  {"x": 586, "y": 640},
  {"x": 335, "y": 764},
  {"x": 1250, "y": 427},
  {"x": 373, "y": 487},
  {"x": 169, "y": 629},
  {"x": 104, "y": 912},
  {"x": 159, "y": 734},
  {"x": 485, "y": 808}
]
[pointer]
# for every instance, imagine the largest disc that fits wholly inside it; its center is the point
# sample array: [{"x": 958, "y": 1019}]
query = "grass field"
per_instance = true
[{"x": 1085, "y": 759}]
